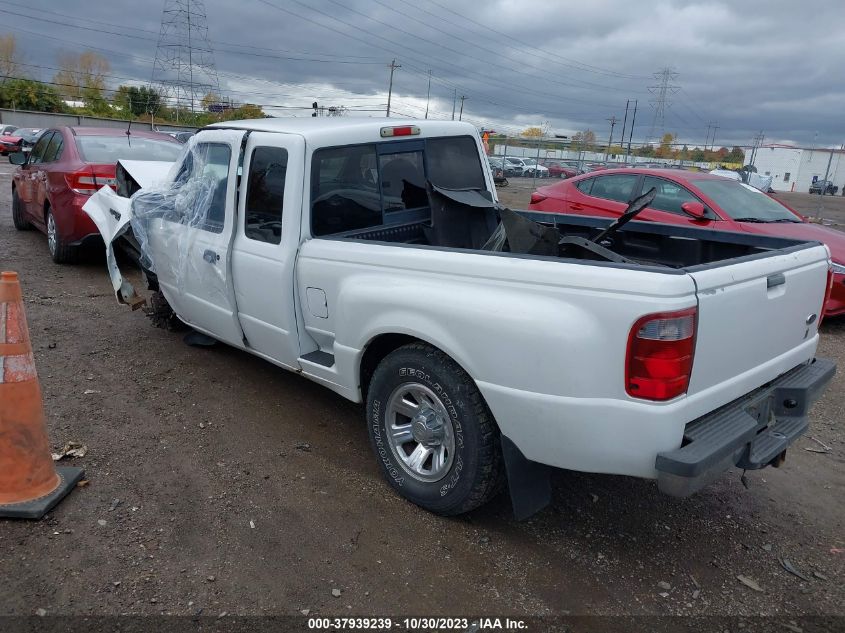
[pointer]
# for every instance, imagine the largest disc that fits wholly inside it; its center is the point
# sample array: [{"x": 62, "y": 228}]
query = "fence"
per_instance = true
[{"x": 25, "y": 118}]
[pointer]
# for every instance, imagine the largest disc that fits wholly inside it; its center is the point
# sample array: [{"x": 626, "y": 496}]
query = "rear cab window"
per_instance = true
[
  {"x": 265, "y": 193},
  {"x": 367, "y": 185}
]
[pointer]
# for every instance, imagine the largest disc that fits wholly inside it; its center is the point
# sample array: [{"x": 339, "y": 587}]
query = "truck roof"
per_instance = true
[{"x": 341, "y": 130}]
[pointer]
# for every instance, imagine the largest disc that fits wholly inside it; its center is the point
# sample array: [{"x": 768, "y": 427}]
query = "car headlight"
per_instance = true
[{"x": 838, "y": 269}]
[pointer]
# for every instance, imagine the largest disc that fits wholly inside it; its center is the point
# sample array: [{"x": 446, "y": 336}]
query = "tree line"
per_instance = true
[{"x": 79, "y": 86}]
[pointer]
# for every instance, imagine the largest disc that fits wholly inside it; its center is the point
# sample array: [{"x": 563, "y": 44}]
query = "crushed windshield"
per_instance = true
[{"x": 745, "y": 203}]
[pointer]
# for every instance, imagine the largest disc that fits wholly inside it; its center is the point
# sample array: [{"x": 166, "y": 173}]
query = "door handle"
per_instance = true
[
  {"x": 773, "y": 281},
  {"x": 210, "y": 256}
]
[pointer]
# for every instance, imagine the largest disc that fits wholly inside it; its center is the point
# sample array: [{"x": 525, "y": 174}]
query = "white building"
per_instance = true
[{"x": 794, "y": 168}]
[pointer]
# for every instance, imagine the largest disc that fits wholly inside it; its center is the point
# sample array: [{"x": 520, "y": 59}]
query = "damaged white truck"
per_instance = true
[{"x": 488, "y": 345}]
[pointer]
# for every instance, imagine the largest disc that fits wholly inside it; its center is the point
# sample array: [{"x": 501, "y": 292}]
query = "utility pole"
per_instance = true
[
  {"x": 625, "y": 125},
  {"x": 824, "y": 184},
  {"x": 713, "y": 142},
  {"x": 612, "y": 121},
  {"x": 454, "y": 102},
  {"x": 428, "y": 94},
  {"x": 393, "y": 66},
  {"x": 461, "y": 115},
  {"x": 631, "y": 133},
  {"x": 707, "y": 136}
]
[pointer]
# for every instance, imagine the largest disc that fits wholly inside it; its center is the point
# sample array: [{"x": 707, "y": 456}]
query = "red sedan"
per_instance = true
[
  {"x": 64, "y": 168},
  {"x": 559, "y": 170},
  {"x": 693, "y": 199}
]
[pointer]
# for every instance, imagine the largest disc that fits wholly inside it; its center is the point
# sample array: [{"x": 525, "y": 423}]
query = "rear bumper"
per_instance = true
[{"x": 750, "y": 432}]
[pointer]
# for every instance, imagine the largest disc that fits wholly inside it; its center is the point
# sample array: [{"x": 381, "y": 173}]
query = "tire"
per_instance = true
[
  {"x": 18, "y": 217},
  {"x": 60, "y": 251},
  {"x": 462, "y": 432}
]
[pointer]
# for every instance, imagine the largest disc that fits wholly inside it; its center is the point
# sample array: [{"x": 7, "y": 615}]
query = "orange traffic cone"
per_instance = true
[{"x": 30, "y": 484}]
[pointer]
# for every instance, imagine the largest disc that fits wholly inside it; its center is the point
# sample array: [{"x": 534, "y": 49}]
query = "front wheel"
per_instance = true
[
  {"x": 434, "y": 438},
  {"x": 18, "y": 215}
]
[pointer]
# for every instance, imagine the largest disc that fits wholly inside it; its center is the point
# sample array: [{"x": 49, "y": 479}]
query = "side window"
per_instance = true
[
  {"x": 454, "y": 163},
  {"x": 402, "y": 181},
  {"x": 585, "y": 185},
  {"x": 669, "y": 195},
  {"x": 54, "y": 148},
  {"x": 37, "y": 154},
  {"x": 203, "y": 177},
  {"x": 344, "y": 189},
  {"x": 786, "y": 177},
  {"x": 265, "y": 194},
  {"x": 618, "y": 187}
]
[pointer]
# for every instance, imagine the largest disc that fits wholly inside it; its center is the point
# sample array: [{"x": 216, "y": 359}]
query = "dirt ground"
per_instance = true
[{"x": 221, "y": 484}]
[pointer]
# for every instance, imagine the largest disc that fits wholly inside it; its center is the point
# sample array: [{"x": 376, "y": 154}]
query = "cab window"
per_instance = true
[
  {"x": 618, "y": 187},
  {"x": 669, "y": 195},
  {"x": 202, "y": 182},
  {"x": 265, "y": 194},
  {"x": 363, "y": 186}
]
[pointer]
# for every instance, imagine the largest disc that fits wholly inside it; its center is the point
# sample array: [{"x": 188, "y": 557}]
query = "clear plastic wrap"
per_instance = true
[{"x": 179, "y": 223}]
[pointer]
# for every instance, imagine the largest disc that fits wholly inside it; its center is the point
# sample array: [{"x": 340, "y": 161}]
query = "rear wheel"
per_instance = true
[
  {"x": 60, "y": 251},
  {"x": 434, "y": 438},
  {"x": 18, "y": 215}
]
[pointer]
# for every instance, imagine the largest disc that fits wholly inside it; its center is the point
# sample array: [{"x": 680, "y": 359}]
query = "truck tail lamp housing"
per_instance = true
[
  {"x": 401, "y": 130},
  {"x": 661, "y": 347}
]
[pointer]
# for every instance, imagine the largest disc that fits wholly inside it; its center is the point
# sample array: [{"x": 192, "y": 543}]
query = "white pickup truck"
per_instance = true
[{"x": 488, "y": 345}]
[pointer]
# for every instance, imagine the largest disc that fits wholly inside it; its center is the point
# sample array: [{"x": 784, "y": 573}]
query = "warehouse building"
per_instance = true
[{"x": 796, "y": 168}]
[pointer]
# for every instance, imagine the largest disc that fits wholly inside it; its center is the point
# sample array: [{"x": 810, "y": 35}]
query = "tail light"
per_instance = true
[
  {"x": 537, "y": 197},
  {"x": 827, "y": 292},
  {"x": 660, "y": 351},
  {"x": 89, "y": 181}
]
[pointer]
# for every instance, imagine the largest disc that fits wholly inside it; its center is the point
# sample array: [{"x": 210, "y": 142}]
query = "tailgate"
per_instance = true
[{"x": 757, "y": 317}]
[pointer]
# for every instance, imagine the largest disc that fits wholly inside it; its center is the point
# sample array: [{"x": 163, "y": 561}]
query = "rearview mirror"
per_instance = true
[
  {"x": 695, "y": 210},
  {"x": 17, "y": 158}
]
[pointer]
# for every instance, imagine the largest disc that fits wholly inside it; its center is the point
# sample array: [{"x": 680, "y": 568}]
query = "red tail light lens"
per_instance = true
[
  {"x": 537, "y": 197},
  {"x": 828, "y": 291},
  {"x": 88, "y": 182},
  {"x": 660, "y": 351}
]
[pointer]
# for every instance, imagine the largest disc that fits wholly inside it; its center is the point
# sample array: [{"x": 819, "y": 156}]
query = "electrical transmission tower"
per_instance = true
[
  {"x": 660, "y": 102},
  {"x": 184, "y": 63}
]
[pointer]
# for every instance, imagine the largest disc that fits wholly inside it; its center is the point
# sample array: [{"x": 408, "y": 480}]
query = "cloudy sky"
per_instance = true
[{"x": 776, "y": 66}]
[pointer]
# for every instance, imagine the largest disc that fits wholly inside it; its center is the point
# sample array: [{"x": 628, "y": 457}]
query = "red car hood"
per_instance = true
[
  {"x": 835, "y": 240},
  {"x": 11, "y": 140}
]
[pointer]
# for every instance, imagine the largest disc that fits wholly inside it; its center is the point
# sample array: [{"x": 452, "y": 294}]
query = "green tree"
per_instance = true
[
  {"x": 736, "y": 155},
  {"x": 137, "y": 101},
  {"x": 26, "y": 94}
]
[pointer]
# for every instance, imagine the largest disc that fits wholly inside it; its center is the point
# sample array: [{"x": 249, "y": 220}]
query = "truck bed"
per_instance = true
[{"x": 662, "y": 247}]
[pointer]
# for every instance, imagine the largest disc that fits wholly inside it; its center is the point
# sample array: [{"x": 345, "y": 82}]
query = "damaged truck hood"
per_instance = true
[{"x": 112, "y": 215}]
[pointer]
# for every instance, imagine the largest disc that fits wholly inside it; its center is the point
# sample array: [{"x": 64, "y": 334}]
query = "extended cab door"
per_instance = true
[
  {"x": 266, "y": 243},
  {"x": 190, "y": 235}
]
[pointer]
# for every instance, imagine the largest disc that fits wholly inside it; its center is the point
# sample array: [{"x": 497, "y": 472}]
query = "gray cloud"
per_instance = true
[{"x": 773, "y": 66}]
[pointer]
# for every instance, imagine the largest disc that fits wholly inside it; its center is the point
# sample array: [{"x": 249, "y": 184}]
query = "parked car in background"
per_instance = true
[
  {"x": 64, "y": 168},
  {"x": 6, "y": 130},
  {"x": 824, "y": 187},
  {"x": 516, "y": 166},
  {"x": 531, "y": 166},
  {"x": 23, "y": 139},
  {"x": 694, "y": 199},
  {"x": 558, "y": 169}
]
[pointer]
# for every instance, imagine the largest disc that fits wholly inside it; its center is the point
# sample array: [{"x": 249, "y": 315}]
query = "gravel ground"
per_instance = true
[{"x": 219, "y": 483}]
